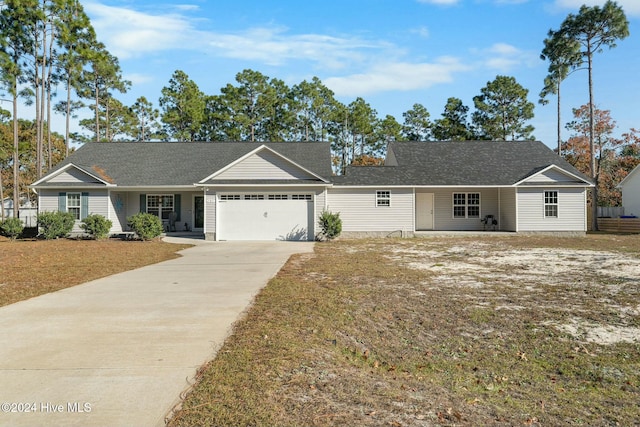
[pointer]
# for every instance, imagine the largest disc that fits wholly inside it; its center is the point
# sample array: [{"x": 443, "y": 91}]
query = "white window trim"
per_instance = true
[
  {"x": 383, "y": 200},
  {"x": 466, "y": 205},
  {"x": 161, "y": 208},
  {"x": 79, "y": 207},
  {"x": 545, "y": 204}
]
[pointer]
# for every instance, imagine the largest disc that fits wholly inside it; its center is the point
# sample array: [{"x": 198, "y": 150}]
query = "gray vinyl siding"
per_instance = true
[
  {"x": 508, "y": 213},
  {"x": 118, "y": 218},
  {"x": 443, "y": 209},
  {"x": 359, "y": 213},
  {"x": 631, "y": 194},
  {"x": 72, "y": 176},
  {"x": 98, "y": 201},
  {"x": 263, "y": 165},
  {"x": 210, "y": 213},
  {"x": 571, "y": 210},
  {"x": 551, "y": 175}
]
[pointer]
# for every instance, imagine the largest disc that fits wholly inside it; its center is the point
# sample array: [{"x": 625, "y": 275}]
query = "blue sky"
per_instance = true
[{"x": 393, "y": 53}]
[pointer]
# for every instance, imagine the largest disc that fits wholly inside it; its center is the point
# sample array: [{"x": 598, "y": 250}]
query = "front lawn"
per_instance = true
[
  {"x": 29, "y": 268},
  {"x": 443, "y": 331}
]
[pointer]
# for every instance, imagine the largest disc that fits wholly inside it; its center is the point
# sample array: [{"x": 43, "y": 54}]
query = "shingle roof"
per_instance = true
[
  {"x": 457, "y": 163},
  {"x": 174, "y": 164}
]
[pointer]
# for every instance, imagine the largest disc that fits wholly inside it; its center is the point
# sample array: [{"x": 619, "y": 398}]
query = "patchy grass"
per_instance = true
[
  {"x": 29, "y": 268},
  {"x": 421, "y": 332}
]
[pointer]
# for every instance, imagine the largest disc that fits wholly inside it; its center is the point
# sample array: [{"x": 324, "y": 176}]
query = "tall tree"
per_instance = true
[
  {"x": 562, "y": 53},
  {"x": 103, "y": 75},
  {"x": 417, "y": 125},
  {"x": 146, "y": 120},
  {"x": 183, "y": 107},
  {"x": 362, "y": 122},
  {"x": 388, "y": 129},
  {"x": 594, "y": 28},
  {"x": 502, "y": 110},
  {"x": 16, "y": 19},
  {"x": 76, "y": 37},
  {"x": 279, "y": 115},
  {"x": 313, "y": 104},
  {"x": 454, "y": 124},
  {"x": 610, "y": 165}
]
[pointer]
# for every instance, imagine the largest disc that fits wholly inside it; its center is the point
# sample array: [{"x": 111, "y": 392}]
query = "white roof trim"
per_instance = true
[
  {"x": 559, "y": 169},
  {"x": 66, "y": 168},
  {"x": 267, "y": 185},
  {"x": 633, "y": 172},
  {"x": 255, "y": 151}
]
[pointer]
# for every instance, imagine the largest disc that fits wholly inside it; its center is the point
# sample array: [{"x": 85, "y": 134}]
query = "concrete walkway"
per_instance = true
[{"x": 118, "y": 351}]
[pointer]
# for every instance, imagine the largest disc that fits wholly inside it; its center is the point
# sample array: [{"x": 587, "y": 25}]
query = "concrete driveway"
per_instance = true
[{"x": 118, "y": 351}]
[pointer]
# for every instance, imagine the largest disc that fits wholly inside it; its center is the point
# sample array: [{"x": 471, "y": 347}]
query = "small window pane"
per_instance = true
[
  {"x": 73, "y": 205},
  {"x": 459, "y": 198},
  {"x": 383, "y": 198},
  {"x": 458, "y": 212},
  {"x": 551, "y": 204}
]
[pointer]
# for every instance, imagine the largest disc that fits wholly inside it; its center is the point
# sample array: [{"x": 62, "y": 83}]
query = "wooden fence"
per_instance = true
[{"x": 619, "y": 225}]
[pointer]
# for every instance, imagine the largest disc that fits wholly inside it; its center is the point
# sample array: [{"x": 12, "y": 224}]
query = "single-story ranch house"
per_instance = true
[{"x": 276, "y": 191}]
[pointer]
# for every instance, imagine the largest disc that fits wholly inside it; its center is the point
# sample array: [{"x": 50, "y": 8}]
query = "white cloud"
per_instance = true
[
  {"x": 630, "y": 7},
  {"x": 137, "y": 78},
  {"x": 128, "y": 33},
  {"x": 421, "y": 32},
  {"x": 401, "y": 76},
  {"x": 504, "y": 57},
  {"x": 274, "y": 46}
]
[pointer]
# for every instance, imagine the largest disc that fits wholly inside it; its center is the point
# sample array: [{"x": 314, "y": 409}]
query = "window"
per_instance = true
[
  {"x": 254, "y": 196},
  {"x": 383, "y": 198},
  {"x": 73, "y": 205},
  {"x": 550, "y": 204},
  {"x": 466, "y": 205},
  {"x": 160, "y": 205},
  {"x": 278, "y": 197},
  {"x": 229, "y": 197},
  {"x": 301, "y": 197}
]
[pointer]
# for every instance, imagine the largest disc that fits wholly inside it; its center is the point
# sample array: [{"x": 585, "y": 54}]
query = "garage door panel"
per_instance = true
[{"x": 265, "y": 220}]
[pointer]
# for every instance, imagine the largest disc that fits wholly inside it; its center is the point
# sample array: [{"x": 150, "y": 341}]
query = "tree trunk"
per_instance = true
[
  {"x": 594, "y": 173},
  {"x": 16, "y": 153},
  {"x": 1, "y": 198},
  {"x": 559, "y": 125},
  {"x": 97, "y": 114},
  {"x": 67, "y": 120}
]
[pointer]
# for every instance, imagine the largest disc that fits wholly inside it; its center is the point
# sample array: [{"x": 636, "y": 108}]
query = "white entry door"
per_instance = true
[
  {"x": 257, "y": 217},
  {"x": 424, "y": 211}
]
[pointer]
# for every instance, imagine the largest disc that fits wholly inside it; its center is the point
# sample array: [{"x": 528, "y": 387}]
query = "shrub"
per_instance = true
[
  {"x": 96, "y": 226},
  {"x": 12, "y": 227},
  {"x": 55, "y": 224},
  {"x": 146, "y": 226},
  {"x": 330, "y": 225}
]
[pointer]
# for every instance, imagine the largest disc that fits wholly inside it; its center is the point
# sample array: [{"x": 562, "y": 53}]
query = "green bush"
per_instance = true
[
  {"x": 12, "y": 227},
  {"x": 55, "y": 224},
  {"x": 146, "y": 226},
  {"x": 97, "y": 226},
  {"x": 330, "y": 225}
]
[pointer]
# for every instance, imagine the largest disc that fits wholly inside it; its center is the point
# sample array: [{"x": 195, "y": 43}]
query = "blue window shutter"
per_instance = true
[
  {"x": 84, "y": 206},
  {"x": 62, "y": 202},
  {"x": 143, "y": 203},
  {"x": 177, "y": 205}
]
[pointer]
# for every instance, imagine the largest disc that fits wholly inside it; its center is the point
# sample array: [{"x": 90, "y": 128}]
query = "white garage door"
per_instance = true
[{"x": 265, "y": 217}]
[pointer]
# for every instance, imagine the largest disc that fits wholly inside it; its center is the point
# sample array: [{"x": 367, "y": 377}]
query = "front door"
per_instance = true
[
  {"x": 198, "y": 212},
  {"x": 424, "y": 211}
]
